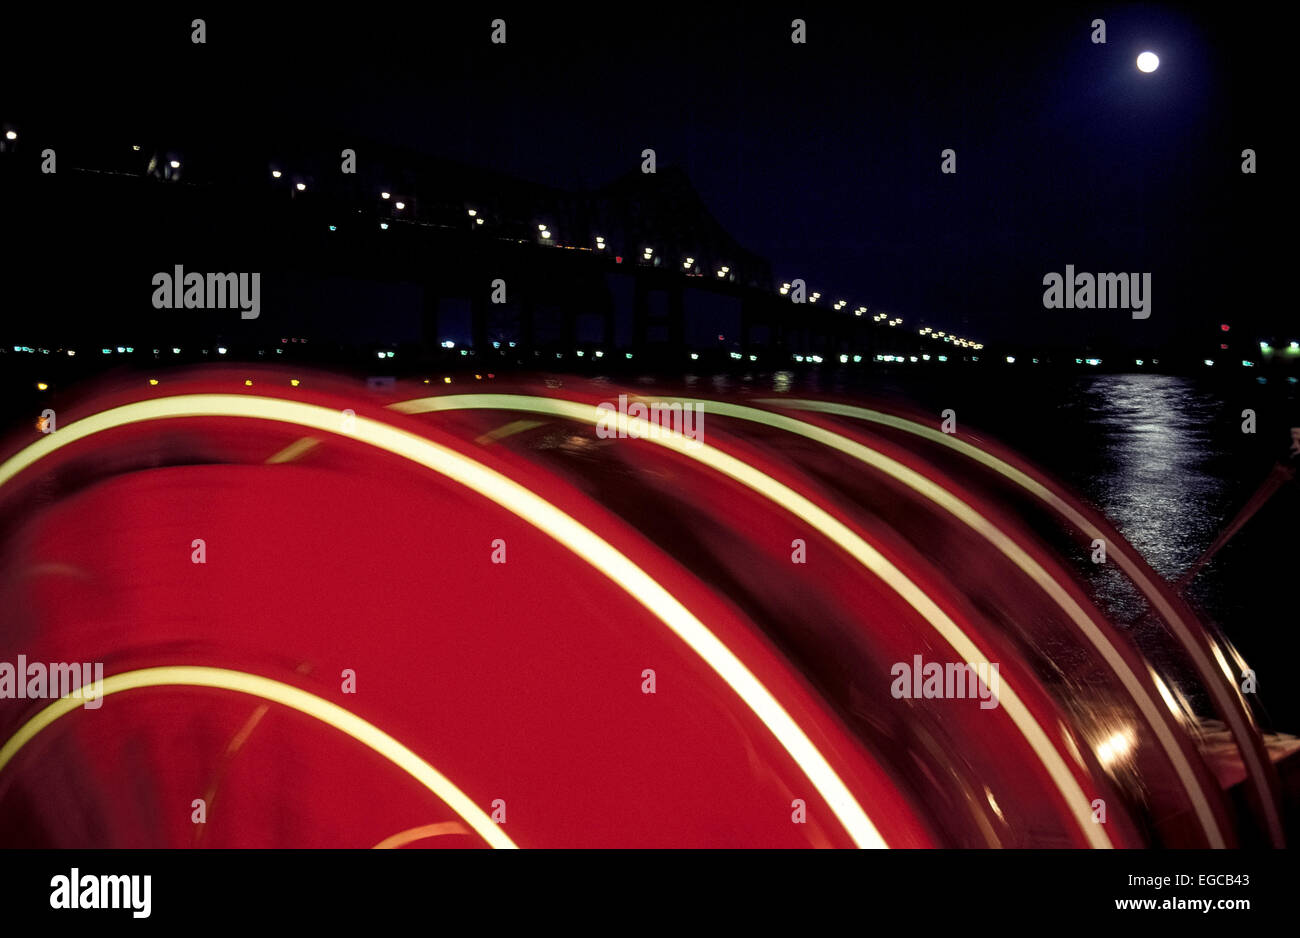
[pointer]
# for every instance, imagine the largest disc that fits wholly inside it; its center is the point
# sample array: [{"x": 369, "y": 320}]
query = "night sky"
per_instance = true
[{"x": 822, "y": 157}]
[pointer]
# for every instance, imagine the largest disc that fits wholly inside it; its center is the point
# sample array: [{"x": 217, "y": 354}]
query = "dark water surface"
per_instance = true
[{"x": 1164, "y": 458}]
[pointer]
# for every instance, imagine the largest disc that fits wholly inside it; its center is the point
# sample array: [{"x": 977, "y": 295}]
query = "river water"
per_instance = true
[{"x": 1164, "y": 457}]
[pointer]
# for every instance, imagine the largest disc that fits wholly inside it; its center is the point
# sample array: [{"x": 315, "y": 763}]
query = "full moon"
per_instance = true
[{"x": 1148, "y": 62}]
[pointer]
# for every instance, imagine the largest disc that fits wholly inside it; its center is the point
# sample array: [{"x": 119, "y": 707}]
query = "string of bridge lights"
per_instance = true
[
  {"x": 888, "y": 320},
  {"x": 546, "y": 236},
  {"x": 689, "y": 266}
]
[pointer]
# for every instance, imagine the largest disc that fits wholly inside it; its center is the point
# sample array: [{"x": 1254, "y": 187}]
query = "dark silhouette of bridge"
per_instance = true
[{"x": 638, "y": 267}]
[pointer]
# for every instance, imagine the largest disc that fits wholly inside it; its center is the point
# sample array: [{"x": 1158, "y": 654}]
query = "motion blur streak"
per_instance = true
[
  {"x": 1227, "y": 696},
  {"x": 291, "y": 697},
  {"x": 1076, "y": 802},
  {"x": 1017, "y": 555},
  {"x": 403, "y": 838},
  {"x": 536, "y": 511}
]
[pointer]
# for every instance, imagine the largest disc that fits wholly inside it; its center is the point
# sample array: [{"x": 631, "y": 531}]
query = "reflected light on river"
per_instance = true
[{"x": 1156, "y": 484}]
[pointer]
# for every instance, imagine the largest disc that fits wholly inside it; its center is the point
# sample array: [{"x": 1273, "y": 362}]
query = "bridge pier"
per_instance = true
[
  {"x": 677, "y": 320},
  {"x": 640, "y": 313},
  {"x": 479, "y": 310},
  {"x": 429, "y": 318}
]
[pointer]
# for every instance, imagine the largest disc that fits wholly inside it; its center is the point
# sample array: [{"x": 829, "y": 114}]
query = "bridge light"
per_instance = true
[
  {"x": 174, "y": 164},
  {"x": 42, "y": 386},
  {"x": 399, "y": 205},
  {"x": 383, "y": 226},
  {"x": 276, "y": 174},
  {"x": 473, "y": 212},
  {"x": 301, "y": 187},
  {"x": 10, "y": 135},
  {"x": 221, "y": 350},
  {"x": 1209, "y": 362},
  {"x": 389, "y": 195},
  {"x": 478, "y": 221},
  {"x": 153, "y": 382},
  {"x": 545, "y": 233},
  {"x": 695, "y": 356},
  {"x": 1011, "y": 360}
]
